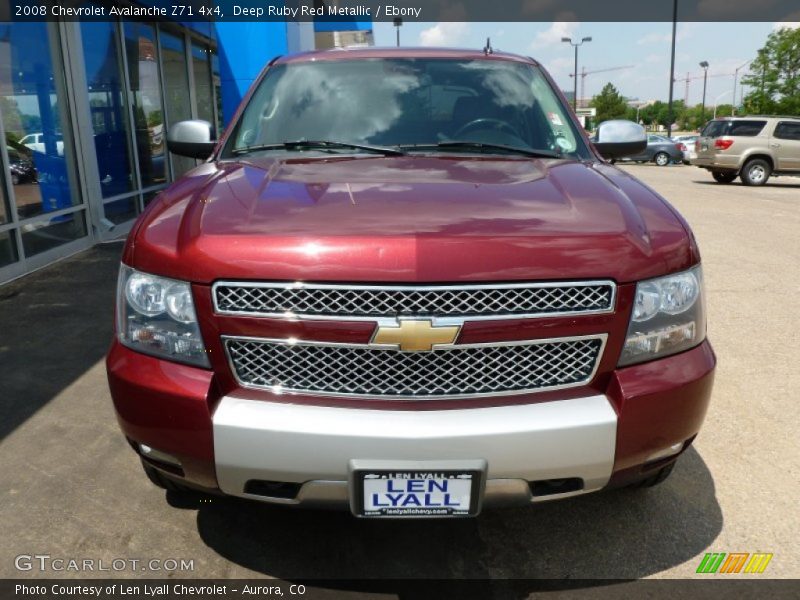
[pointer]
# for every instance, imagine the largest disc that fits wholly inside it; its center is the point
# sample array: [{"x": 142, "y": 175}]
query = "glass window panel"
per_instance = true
[
  {"x": 119, "y": 211},
  {"x": 149, "y": 197},
  {"x": 8, "y": 249},
  {"x": 202, "y": 83},
  {"x": 44, "y": 235},
  {"x": 5, "y": 212},
  {"x": 176, "y": 86},
  {"x": 217, "y": 83},
  {"x": 108, "y": 108},
  {"x": 33, "y": 113},
  {"x": 148, "y": 113}
]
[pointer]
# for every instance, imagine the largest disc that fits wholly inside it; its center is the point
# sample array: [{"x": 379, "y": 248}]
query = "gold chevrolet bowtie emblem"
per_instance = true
[{"x": 415, "y": 335}]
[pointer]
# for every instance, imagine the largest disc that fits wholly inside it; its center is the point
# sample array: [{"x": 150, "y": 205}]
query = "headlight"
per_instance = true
[
  {"x": 155, "y": 315},
  {"x": 668, "y": 317}
]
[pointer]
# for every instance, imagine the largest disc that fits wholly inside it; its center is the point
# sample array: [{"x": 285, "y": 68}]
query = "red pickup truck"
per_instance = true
[{"x": 405, "y": 282}]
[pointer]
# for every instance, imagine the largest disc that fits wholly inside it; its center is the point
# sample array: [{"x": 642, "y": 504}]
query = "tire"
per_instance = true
[
  {"x": 756, "y": 172},
  {"x": 15, "y": 179},
  {"x": 723, "y": 176},
  {"x": 661, "y": 159},
  {"x": 658, "y": 477},
  {"x": 159, "y": 480}
]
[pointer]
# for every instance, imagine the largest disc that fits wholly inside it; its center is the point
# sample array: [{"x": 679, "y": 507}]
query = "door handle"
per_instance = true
[{"x": 775, "y": 145}]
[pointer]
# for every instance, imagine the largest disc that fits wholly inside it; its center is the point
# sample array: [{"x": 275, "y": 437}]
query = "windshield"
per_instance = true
[{"x": 406, "y": 102}]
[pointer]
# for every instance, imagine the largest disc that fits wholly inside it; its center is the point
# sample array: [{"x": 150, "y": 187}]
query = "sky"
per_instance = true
[{"x": 643, "y": 46}]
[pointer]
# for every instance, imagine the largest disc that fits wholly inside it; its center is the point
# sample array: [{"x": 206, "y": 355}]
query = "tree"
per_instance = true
[
  {"x": 610, "y": 104},
  {"x": 657, "y": 113},
  {"x": 9, "y": 111},
  {"x": 774, "y": 76}
]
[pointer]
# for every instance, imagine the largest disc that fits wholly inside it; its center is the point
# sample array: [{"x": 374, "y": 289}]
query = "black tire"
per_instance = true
[
  {"x": 662, "y": 159},
  {"x": 15, "y": 179},
  {"x": 657, "y": 477},
  {"x": 162, "y": 481},
  {"x": 723, "y": 176},
  {"x": 756, "y": 172}
]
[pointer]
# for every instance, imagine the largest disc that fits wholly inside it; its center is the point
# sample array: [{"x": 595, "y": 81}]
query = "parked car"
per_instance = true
[
  {"x": 405, "y": 282},
  {"x": 660, "y": 150},
  {"x": 686, "y": 146},
  {"x": 36, "y": 143},
  {"x": 20, "y": 165},
  {"x": 753, "y": 148}
]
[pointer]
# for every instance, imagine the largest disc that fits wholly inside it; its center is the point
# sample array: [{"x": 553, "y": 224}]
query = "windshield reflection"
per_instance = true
[{"x": 404, "y": 101}]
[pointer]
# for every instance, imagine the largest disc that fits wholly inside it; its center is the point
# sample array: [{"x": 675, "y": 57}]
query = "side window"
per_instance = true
[
  {"x": 745, "y": 128},
  {"x": 787, "y": 131}
]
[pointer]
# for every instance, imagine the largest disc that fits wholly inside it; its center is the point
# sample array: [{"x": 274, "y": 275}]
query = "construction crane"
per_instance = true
[
  {"x": 689, "y": 77},
  {"x": 584, "y": 73}
]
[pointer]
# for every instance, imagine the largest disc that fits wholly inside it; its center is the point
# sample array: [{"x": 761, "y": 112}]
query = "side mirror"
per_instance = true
[
  {"x": 191, "y": 138},
  {"x": 617, "y": 139}
]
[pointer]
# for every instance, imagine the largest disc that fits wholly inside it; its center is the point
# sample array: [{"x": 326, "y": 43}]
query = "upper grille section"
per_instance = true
[
  {"x": 370, "y": 302},
  {"x": 467, "y": 370}
]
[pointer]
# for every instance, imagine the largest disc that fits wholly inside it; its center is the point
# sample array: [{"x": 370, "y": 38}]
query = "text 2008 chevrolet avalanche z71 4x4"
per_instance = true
[{"x": 405, "y": 282}]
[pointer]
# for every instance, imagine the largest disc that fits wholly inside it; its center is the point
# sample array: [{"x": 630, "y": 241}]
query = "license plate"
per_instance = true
[
  {"x": 705, "y": 148},
  {"x": 417, "y": 493}
]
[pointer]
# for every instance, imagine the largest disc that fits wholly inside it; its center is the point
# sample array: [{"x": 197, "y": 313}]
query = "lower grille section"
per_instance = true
[{"x": 466, "y": 370}]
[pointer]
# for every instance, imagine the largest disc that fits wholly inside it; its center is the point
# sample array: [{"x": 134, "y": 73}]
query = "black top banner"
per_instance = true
[
  {"x": 398, "y": 589},
  {"x": 407, "y": 10}
]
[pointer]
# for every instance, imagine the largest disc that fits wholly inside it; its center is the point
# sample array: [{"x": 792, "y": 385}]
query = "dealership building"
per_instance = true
[{"x": 84, "y": 110}]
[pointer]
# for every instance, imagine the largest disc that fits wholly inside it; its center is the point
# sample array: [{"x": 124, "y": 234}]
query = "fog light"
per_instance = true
[
  {"x": 158, "y": 456},
  {"x": 666, "y": 452}
]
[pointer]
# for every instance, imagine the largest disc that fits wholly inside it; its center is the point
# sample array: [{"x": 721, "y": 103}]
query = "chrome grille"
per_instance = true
[
  {"x": 457, "y": 371},
  {"x": 471, "y": 301}
]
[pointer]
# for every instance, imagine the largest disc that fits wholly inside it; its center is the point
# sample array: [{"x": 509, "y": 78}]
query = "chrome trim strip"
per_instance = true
[
  {"x": 603, "y": 337},
  {"x": 443, "y": 320}
]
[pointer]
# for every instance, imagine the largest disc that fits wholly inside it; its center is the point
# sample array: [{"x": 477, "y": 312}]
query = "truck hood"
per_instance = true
[{"x": 409, "y": 219}]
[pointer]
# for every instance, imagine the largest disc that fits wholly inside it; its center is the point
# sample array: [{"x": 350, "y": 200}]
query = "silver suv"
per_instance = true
[{"x": 752, "y": 147}]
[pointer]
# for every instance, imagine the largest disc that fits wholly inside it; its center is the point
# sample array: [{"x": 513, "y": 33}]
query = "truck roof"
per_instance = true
[{"x": 390, "y": 52}]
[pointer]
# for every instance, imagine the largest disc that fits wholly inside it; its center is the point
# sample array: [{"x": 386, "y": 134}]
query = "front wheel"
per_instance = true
[
  {"x": 661, "y": 159},
  {"x": 723, "y": 176},
  {"x": 756, "y": 172}
]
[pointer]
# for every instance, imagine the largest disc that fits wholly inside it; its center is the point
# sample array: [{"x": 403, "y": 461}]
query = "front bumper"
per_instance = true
[
  {"x": 717, "y": 162},
  {"x": 265, "y": 441},
  {"x": 225, "y": 441}
]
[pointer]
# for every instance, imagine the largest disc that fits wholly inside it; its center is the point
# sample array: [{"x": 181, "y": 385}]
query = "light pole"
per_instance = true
[
  {"x": 704, "y": 64},
  {"x": 574, "y": 45},
  {"x": 398, "y": 22},
  {"x": 735, "y": 77},
  {"x": 717, "y": 100},
  {"x": 672, "y": 68}
]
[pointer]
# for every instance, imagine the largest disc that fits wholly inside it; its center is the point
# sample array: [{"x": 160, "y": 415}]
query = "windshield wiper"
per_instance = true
[
  {"x": 483, "y": 146},
  {"x": 319, "y": 144}
]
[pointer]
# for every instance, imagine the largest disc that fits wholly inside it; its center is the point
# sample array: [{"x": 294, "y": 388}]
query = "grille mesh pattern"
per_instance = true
[
  {"x": 388, "y": 301},
  {"x": 442, "y": 373}
]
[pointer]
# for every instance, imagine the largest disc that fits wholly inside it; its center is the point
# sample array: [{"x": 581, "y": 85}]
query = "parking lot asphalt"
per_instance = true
[{"x": 73, "y": 489}]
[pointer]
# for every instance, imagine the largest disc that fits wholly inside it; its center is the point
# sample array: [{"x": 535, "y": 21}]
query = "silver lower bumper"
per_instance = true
[{"x": 314, "y": 445}]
